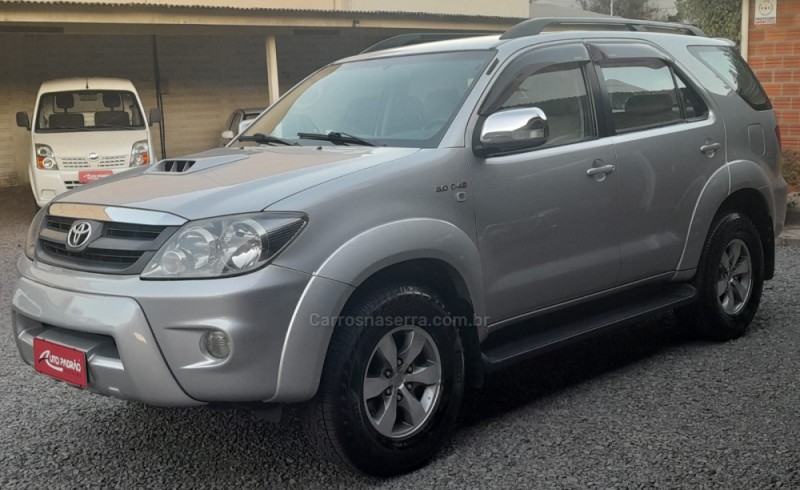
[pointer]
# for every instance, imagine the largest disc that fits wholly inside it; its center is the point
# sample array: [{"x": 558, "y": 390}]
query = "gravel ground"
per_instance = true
[{"x": 636, "y": 409}]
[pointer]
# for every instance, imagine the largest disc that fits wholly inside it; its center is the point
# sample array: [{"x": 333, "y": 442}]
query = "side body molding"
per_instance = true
[{"x": 350, "y": 265}]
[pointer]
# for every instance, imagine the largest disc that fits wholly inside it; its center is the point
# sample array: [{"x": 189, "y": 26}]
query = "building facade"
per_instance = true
[{"x": 773, "y": 51}]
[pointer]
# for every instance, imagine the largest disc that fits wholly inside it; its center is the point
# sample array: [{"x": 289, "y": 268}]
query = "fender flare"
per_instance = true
[
  {"x": 735, "y": 176},
  {"x": 332, "y": 284}
]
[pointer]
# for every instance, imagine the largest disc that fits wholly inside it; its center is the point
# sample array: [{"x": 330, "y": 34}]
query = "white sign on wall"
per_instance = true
[{"x": 766, "y": 12}]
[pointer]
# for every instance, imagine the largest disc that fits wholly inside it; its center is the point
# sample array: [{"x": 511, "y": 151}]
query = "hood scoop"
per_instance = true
[{"x": 187, "y": 166}]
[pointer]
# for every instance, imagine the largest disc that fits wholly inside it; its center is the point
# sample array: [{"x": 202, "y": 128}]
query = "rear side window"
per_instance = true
[
  {"x": 642, "y": 94},
  {"x": 733, "y": 70}
]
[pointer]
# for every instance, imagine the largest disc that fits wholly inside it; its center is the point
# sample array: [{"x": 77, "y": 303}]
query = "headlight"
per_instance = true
[
  {"x": 140, "y": 154},
  {"x": 45, "y": 158},
  {"x": 33, "y": 233},
  {"x": 225, "y": 246}
]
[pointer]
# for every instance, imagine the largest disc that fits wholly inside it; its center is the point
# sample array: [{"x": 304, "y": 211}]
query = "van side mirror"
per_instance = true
[
  {"x": 156, "y": 116},
  {"x": 23, "y": 120},
  {"x": 512, "y": 130},
  {"x": 228, "y": 135}
]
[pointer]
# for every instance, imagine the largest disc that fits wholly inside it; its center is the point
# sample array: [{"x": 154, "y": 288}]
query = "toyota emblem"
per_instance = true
[
  {"x": 93, "y": 156},
  {"x": 79, "y": 234}
]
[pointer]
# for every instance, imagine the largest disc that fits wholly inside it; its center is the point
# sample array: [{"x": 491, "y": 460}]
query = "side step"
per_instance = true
[{"x": 541, "y": 334}]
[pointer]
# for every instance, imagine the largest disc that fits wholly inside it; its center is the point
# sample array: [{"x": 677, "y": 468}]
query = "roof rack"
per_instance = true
[
  {"x": 419, "y": 38},
  {"x": 533, "y": 27}
]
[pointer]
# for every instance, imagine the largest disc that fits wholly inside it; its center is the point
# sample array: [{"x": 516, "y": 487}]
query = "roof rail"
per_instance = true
[
  {"x": 533, "y": 27},
  {"x": 419, "y": 38}
]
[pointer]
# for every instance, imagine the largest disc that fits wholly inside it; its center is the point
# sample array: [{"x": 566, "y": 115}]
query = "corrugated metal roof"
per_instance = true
[{"x": 254, "y": 8}]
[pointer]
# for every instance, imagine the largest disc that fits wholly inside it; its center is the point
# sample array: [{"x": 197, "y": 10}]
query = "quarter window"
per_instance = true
[
  {"x": 560, "y": 92},
  {"x": 733, "y": 70}
]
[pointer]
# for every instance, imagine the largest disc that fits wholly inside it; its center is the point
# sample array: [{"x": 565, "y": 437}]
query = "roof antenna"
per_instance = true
[{"x": 87, "y": 84}]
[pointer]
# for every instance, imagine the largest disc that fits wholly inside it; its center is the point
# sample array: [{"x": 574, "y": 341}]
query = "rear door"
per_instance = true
[{"x": 668, "y": 142}]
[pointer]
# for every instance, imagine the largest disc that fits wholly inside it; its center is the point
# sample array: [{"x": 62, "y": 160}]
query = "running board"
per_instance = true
[{"x": 542, "y": 334}]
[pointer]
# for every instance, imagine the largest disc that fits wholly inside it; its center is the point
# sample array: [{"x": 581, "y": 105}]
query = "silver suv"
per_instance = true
[{"x": 372, "y": 243}]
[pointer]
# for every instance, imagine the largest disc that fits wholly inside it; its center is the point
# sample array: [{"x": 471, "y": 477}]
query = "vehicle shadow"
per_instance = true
[
  {"x": 544, "y": 376},
  {"x": 232, "y": 448}
]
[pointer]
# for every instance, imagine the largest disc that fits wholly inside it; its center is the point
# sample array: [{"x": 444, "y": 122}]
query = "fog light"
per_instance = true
[{"x": 217, "y": 344}]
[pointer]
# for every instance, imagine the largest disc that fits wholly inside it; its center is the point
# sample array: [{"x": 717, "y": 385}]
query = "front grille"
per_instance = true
[
  {"x": 132, "y": 232},
  {"x": 121, "y": 258},
  {"x": 116, "y": 161},
  {"x": 71, "y": 184},
  {"x": 114, "y": 248}
]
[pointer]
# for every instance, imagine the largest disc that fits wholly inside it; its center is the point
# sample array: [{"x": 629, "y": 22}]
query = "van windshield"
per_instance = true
[
  {"x": 88, "y": 110},
  {"x": 406, "y": 101}
]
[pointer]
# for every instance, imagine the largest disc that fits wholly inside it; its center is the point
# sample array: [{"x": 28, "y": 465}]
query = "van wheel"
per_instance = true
[
  {"x": 729, "y": 280},
  {"x": 392, "y": 383}
]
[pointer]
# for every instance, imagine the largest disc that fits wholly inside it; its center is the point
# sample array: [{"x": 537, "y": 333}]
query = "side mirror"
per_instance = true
[
  {"x": 156, "y": 116},
  {"x": 228, "y": 135},
  {"x": 245, "y": 124},
  {"x": 512, "y": 130},
  {"x": 23, "y": 120}
]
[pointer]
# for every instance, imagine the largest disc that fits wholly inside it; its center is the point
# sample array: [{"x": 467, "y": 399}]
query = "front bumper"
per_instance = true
[
  {"x": 142, "y": 338},
  {"x": 120, "y": 349}
]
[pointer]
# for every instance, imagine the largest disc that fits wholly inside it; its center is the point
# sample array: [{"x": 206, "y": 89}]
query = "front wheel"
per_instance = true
[
  {"x": 392, "y": 384},
  {"x": 729, "y": 280}
]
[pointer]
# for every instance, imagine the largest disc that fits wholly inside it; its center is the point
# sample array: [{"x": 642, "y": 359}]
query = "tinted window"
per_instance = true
[
  {"x": 642, "y": 94},
  {"x": 694, "y": 106},
  {"x": 733, "y": 70},
  {"x": 561, "y": 93}
]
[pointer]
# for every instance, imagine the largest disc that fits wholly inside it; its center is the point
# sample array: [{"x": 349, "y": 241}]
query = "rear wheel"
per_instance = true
[
  {"x": 729, "y": 280},
  {"x": 392, "y": 384}
]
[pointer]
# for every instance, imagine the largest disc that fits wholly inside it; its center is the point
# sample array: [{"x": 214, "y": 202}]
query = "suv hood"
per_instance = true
[{"x": 229, "y": 181}]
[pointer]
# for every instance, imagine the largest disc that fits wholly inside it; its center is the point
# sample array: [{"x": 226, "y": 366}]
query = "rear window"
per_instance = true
[{"x": 733, "y": 70}]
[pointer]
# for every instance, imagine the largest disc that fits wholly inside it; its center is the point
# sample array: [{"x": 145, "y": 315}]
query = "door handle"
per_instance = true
[
  {"x": 602, "y": 170},
  {"x": 710, "y": 148}
]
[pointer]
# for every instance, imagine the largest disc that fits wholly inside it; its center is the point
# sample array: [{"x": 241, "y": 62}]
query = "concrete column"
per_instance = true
[
  {"x": 745, "y": 46},
  {"x": 272, "y": 69}
]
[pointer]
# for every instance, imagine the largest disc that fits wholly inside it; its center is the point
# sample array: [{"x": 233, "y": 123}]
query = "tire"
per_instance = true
[
  {"x": 728, "y": 298},
  {"x": 343, "y": 421}
]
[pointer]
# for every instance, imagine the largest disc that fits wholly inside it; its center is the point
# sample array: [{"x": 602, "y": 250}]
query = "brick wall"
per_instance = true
[{"x": 774, "y": 54}]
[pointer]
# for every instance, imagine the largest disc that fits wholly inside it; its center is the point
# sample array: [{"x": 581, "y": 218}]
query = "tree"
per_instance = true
[
  {"x": 718, "y": 18},
  {"x": 631, "y": 9}
]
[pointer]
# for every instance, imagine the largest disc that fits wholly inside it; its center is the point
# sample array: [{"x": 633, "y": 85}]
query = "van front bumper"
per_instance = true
[{"x": 143, "y": 339}]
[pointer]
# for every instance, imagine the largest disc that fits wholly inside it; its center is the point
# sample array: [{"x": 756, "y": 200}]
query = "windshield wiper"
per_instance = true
[
  {"x": 337, "y": 138},
  {"x": 265, "y": 139}
]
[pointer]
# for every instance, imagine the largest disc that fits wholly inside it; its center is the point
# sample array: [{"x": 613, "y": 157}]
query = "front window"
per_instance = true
[
  {"x": 88, "y": 110},
  {"x": 406, "y": 101}
]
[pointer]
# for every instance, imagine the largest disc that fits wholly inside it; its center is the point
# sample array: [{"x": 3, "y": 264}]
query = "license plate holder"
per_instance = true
[
  {"x": 89, "y": 176},
  {"x": 61, "y": 362}
]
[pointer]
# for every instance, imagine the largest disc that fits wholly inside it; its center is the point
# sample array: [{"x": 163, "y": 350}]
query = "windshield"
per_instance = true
[
  {"x": 88, "y": 110},
  {"x": 405, "y": 101}
]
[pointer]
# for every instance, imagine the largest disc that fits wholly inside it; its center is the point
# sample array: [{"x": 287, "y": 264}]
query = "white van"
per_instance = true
[{"x": 85, "y": 129}]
